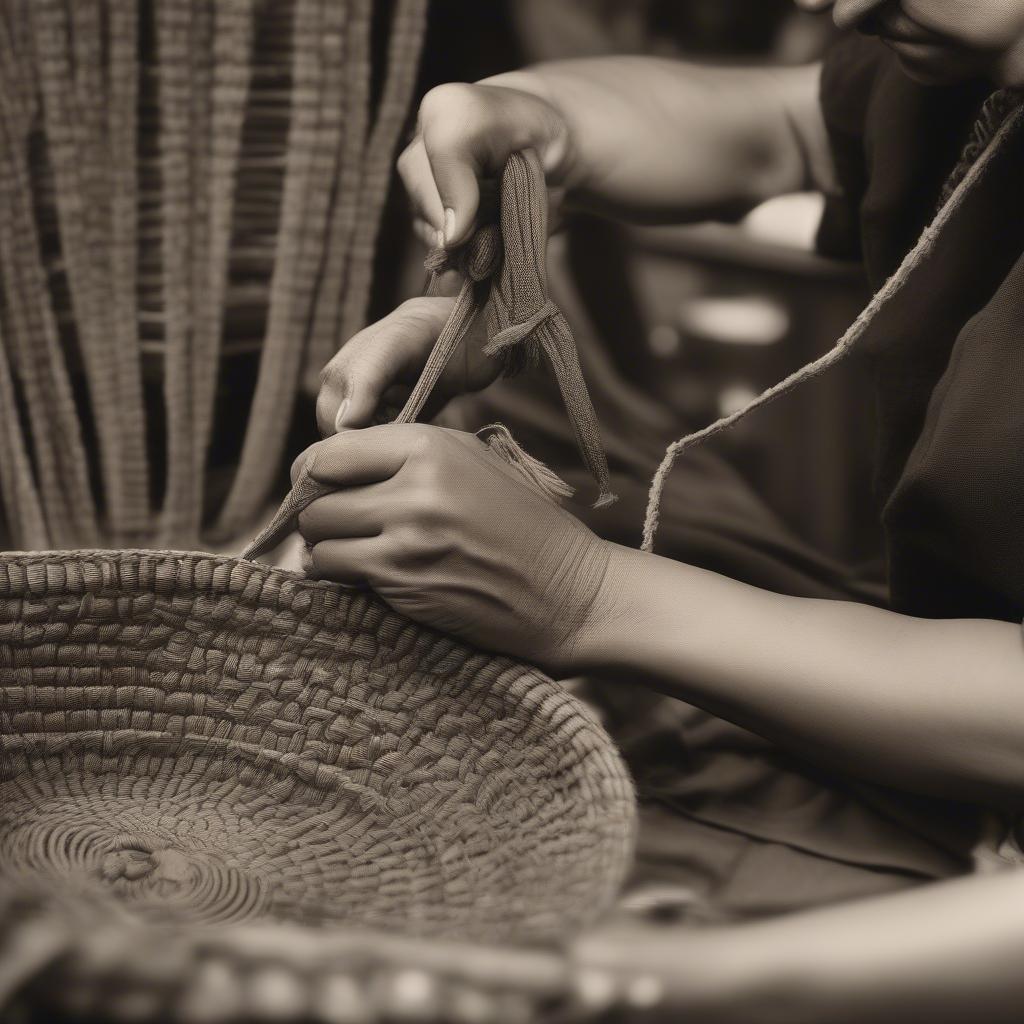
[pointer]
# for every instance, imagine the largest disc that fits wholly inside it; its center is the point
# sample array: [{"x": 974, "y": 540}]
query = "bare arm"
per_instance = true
[
  {"x": 666, "y": 141},
  {"x": 635, "y": 137},
  {"x": 935, "y": 706},
  {"x": 943, "y": 953}
]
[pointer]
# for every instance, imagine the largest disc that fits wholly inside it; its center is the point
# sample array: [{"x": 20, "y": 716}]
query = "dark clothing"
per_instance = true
[
  {"x": 747, "y": 826},
  {"x": 947, "y": 355}
]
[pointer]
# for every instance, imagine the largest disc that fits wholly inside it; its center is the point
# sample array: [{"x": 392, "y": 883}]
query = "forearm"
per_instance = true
[
  {"x": 949, "y": 952},
  {"x": 931, "y": 706},
  {"x": 666, "y": 141}
]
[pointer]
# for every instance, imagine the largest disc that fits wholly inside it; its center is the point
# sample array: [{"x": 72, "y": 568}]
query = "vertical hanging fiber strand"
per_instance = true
[
  {"x": 32, "y": 338},
  {"x": 281, "y": 357},
  {"x": 22, "y": 507},
  {"x": 405, "y": 43},
  {"x": 326, "y": 312},
  {"x": 201, "y": 360},
  {"x": 174, "y": 62},
  {"x": 88, "y": 105},
  {"x": 71, "y": 112},
  {"x": 849, "y": 340},
  {"x": 121, "y": 166},
  {"x": 232, "y": 67}
]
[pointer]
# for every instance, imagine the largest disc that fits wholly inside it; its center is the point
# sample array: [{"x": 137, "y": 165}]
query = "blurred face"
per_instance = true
[{"x": 941, "y": 40}]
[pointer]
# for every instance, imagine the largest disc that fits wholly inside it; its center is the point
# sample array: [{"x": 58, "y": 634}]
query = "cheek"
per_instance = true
[{"x": 981, "y": 24}]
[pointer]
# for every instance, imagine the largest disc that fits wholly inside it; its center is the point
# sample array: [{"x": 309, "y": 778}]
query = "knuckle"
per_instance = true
[
  {"x": 324, "y": 412},
  {"x": 452, "y": 115},
  {"x": 444, "y": 99},
  {"x": 422, "y": 445},
  {"x": 332, "y": 372},
  {"x": 422, "y": 507}
]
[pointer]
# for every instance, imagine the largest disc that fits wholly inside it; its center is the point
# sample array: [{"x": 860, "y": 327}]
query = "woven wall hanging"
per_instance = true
[{"x": 182, "y": 183}]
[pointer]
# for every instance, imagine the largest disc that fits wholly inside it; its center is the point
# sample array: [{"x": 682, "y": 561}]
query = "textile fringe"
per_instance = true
[
  {"x": 164, "y": 208},
  {"x": 31, "y": 332},
  {"x": 499, "y": 439}
]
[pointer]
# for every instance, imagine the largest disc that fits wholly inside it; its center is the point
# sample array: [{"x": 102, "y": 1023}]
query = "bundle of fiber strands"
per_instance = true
[
  {"x": 504, "y": 272},
  {"x": 180, "y": 181},
  {"x": 209, "y": 756}
]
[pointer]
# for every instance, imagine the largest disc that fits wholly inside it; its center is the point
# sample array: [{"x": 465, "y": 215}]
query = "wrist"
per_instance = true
[
  {"x": 674, "y": 626},
  {"x": 608, "y": 632}
]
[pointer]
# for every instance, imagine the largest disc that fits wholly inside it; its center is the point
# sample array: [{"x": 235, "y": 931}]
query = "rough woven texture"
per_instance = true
[
  {"x": 221, "y": 740},
  {"x": 180, "y": 181},
  {"x": 206, "y": 741}
]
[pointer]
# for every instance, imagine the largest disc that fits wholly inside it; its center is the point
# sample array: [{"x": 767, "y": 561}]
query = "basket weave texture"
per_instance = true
[{"x": 209, "y": 740}]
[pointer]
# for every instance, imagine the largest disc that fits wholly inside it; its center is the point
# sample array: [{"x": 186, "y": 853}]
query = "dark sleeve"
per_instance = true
[{"x": 848, "y": 77}]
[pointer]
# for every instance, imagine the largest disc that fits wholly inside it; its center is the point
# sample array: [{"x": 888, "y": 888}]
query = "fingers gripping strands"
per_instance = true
[
  {"x": 1001, "y": 116},
  {"x": 503, "y": 266},
  {"x": 524, "y": 326}
]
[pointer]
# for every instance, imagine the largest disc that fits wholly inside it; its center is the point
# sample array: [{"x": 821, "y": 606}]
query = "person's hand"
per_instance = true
[
  {"x": 465, "y": 133},
  {"x": 449, "y": 534},
  {"x": 379, "y": 365}
]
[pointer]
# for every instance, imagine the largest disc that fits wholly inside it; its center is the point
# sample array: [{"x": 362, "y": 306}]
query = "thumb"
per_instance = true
[
  {"x": 456, "y": 178},
  {"x": 389, "y": 352},
  {"x": 351, "y": 392}
]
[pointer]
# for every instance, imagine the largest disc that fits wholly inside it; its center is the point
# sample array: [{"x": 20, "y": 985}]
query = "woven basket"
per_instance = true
[{"x": 193, "y": 742}]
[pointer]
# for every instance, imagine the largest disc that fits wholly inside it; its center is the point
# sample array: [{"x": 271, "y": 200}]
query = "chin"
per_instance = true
[
  {"x": 937, "y": 68},
  {"x": 925, "y": 75}
]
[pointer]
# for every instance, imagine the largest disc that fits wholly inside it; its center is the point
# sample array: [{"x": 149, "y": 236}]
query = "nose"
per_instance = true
[{"x": 849, "y": 13}]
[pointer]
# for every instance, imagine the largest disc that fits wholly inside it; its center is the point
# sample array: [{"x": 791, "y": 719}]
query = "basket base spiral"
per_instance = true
[{"x": 209, "y": 741}]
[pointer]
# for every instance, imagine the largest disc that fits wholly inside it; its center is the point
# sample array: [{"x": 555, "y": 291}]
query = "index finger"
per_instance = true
[{"x": 355, "y": 458}]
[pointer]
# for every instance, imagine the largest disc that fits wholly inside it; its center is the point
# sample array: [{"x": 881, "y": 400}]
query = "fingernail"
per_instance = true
[
  {"x": 440, "y": 239},
  {"x": 339, "y": 418},
  {"x": 449, "y": 225}
]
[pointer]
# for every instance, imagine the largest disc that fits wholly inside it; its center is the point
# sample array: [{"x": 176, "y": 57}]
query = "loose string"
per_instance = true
[{"x": 969, "y": 177}]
